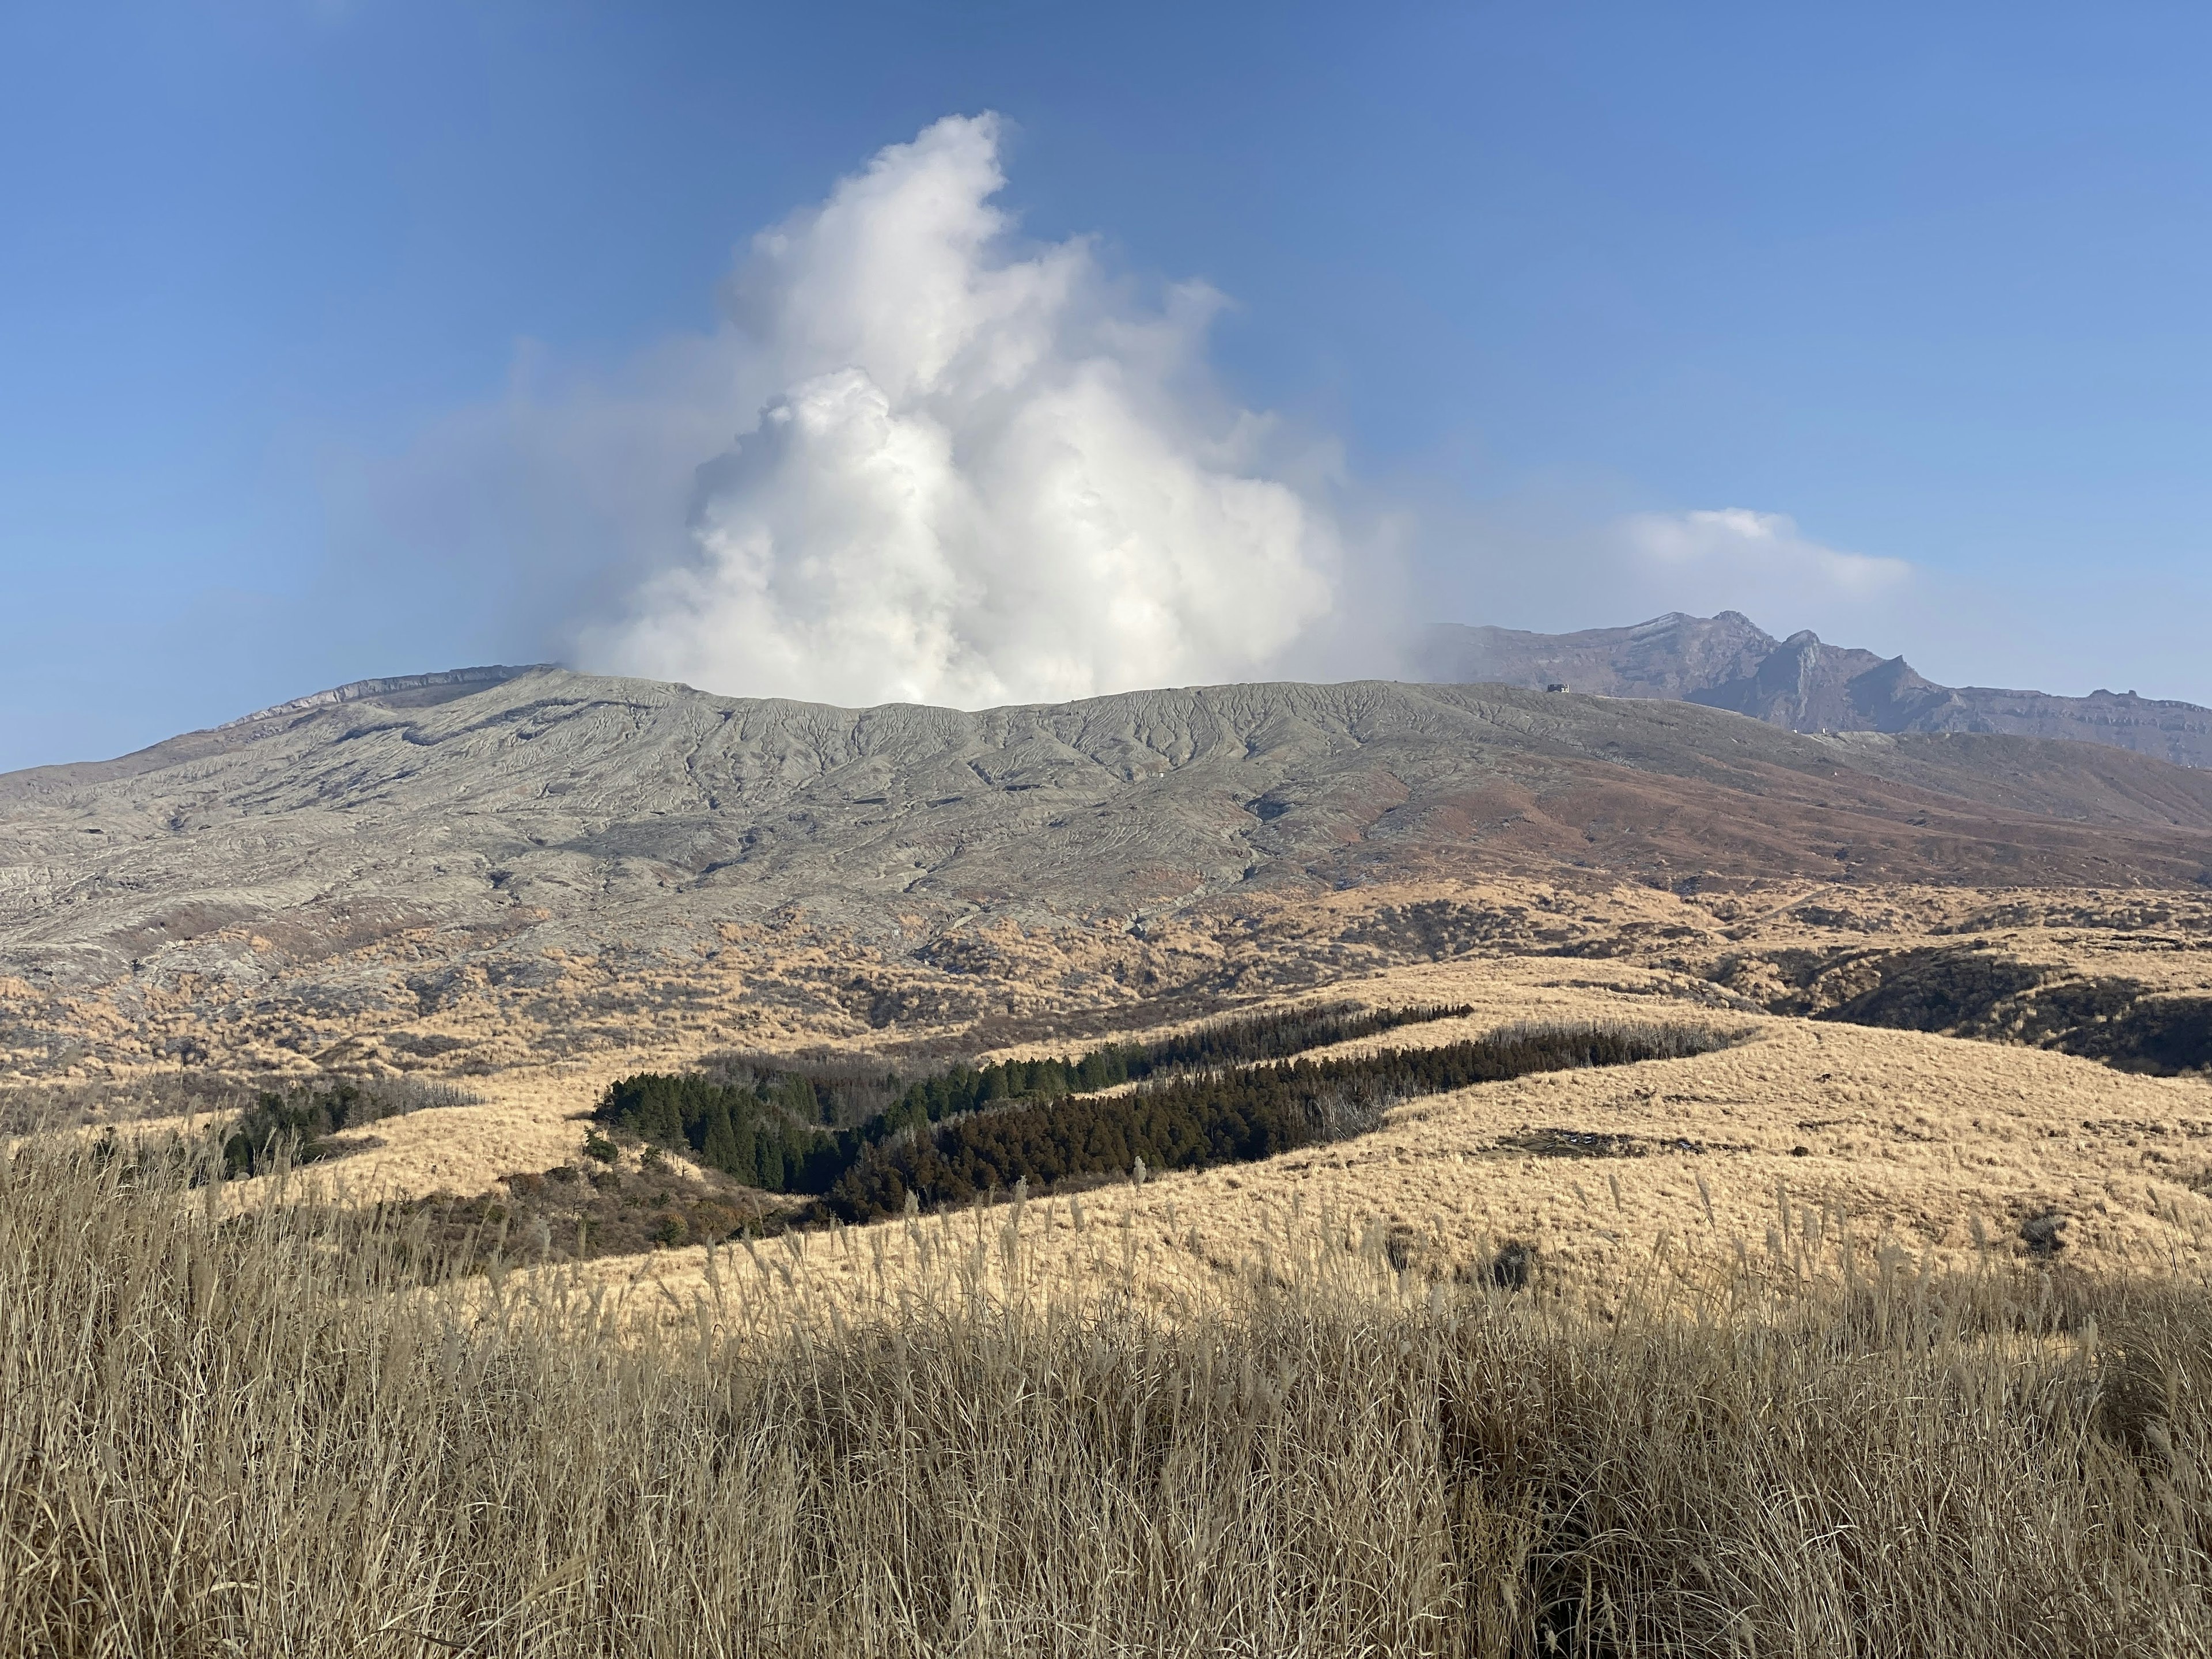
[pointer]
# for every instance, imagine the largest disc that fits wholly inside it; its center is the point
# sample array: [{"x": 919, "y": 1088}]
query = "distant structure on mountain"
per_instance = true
[{"x": 1800, "y": 684}]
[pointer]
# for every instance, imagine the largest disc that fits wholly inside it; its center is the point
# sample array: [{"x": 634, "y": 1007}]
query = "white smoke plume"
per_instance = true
[{"x": 979, "y": 474}]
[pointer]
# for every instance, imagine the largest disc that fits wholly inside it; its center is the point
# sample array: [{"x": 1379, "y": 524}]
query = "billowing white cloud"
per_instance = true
[
  {"x": 980, "y": 473},
  {"x": 1759, "y": 552}
]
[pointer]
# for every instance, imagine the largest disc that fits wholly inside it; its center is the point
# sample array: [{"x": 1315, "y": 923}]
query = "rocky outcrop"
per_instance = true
[{"x": 399, "y": 690}]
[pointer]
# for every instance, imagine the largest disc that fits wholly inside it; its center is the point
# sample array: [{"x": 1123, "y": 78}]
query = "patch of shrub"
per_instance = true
[
  {"x": 2040, "y": 1233},
  {"x": 29, "y": 1108},
  {"x": 299, "y": 1124},
  {"x": 1963, "y": 991},
  {"x": 1511, "y": 1267}
]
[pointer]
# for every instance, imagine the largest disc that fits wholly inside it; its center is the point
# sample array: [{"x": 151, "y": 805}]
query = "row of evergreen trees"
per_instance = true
[
  {"x": 1225, "y": 1044},
  {"x": 975, "y": 1129},
  {"x": 791, "y": 1127},
  {"x": 1228, "y": 1117}
]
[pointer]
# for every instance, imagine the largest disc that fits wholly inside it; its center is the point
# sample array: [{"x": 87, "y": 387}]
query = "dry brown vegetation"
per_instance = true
[
  {"x": 1917, "y": 1137},
  {"x": 1776, "y": 945},
  {"x": 1842, "y": 1340},
  {"x": 276, "y": 1433}
]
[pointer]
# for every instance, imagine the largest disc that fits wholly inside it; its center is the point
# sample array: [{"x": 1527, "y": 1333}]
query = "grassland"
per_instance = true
[
  {"x": 277, "y": 1428},
  {"x": 1920, "y": 1139},
  {"x": 1839, "y": 1339}
]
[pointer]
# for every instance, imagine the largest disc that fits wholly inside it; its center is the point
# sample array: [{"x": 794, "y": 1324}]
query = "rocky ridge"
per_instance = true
[{"x": 1804, "y": 684}]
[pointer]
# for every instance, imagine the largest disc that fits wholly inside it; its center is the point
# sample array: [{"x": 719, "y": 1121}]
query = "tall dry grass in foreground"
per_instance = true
[{"x": 264, "y": 1433}]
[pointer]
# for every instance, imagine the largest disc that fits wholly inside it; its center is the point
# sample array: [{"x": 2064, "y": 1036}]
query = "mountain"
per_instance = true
[
  {"x": 573, "y": 848},
  {"x": 1803, "y": 683}
]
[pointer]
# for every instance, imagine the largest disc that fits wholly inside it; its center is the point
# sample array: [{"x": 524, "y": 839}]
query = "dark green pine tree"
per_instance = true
[
  {"x": 720, "y": 1149},
  {"x": 768, "y": 1155}
]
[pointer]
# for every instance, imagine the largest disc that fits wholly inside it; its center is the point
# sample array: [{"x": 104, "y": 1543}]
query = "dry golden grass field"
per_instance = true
[
  {"x": 1936, "y": 1147},
  {"x": 1937, "y": 1144},
  {"x": 270, "y": 1429}
]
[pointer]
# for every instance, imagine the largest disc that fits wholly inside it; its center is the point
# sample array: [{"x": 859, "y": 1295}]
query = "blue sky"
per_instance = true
[{"x": 275, "y": 280}]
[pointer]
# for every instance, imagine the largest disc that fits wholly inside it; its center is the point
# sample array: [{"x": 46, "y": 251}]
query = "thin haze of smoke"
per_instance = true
[
  {"x": 1555, "y": 561},
  {"x": 980, "y": 476},
  {"x": 1747, "y": 550}
]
